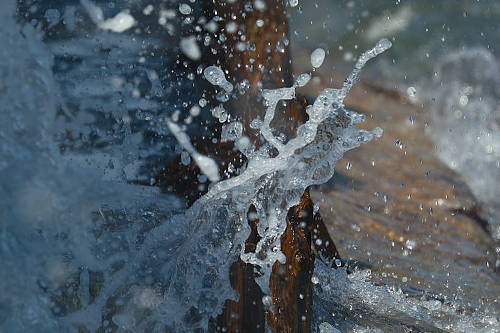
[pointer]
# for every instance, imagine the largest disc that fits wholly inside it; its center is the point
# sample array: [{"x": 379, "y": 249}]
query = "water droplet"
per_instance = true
[
  {"x": 185, "y": 9},
  {"x": 411, "y": 91},
  {"x": 190, "y": 48},
  {"x": 185, "y": 158},
  {"x": 410, "y": 244},
  {"x": 195, "y": 111},
  {"x": 267, "y": 300},
  {"x": 303, "y": 79},
  {"x": 231, "y": 27},
  {"x": 231, "y": 131},
  {"x": 216, "y": 76},
  {"x": 317, "y": 57}
]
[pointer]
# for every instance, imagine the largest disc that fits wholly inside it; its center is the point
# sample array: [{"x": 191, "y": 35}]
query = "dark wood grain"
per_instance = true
[{"x": 265, "y": 63}]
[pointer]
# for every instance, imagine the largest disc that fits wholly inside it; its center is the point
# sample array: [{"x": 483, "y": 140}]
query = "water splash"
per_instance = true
[
  {"x": 153, "y": 266},
  {"x": 206, "y": 164},
  {"x": 352, "y": 303},
  {"x": 307, "y": 159},
  {"x": 463, "y": 97}
]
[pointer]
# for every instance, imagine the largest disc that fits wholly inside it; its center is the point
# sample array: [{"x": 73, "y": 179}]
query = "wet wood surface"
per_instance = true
[{"x": 394, "y": 205}]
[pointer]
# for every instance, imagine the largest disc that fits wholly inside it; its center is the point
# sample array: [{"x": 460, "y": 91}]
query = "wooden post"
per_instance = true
[{"x": 265, "y": 63}]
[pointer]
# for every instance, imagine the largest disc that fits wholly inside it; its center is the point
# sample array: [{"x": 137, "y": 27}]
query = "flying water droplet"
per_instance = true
[
  {"x": 190, "y": 48},
  {"x": 220, "y": 113},
  {"x": 231, "y": 131},
  {"x": 303, "y": 79},
  {"x": 185, "y": 9},
  {"x": 267, "y": 301},
  {"x": 411, "y": 91},
  {"x": 410, "y": 244},
  {"x": 216, "y": 76},
  {"x": 317, "y": 57}
]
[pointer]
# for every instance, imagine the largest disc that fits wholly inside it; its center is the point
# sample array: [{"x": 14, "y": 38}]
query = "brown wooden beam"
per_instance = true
[{"x": 265, "y": 63}]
